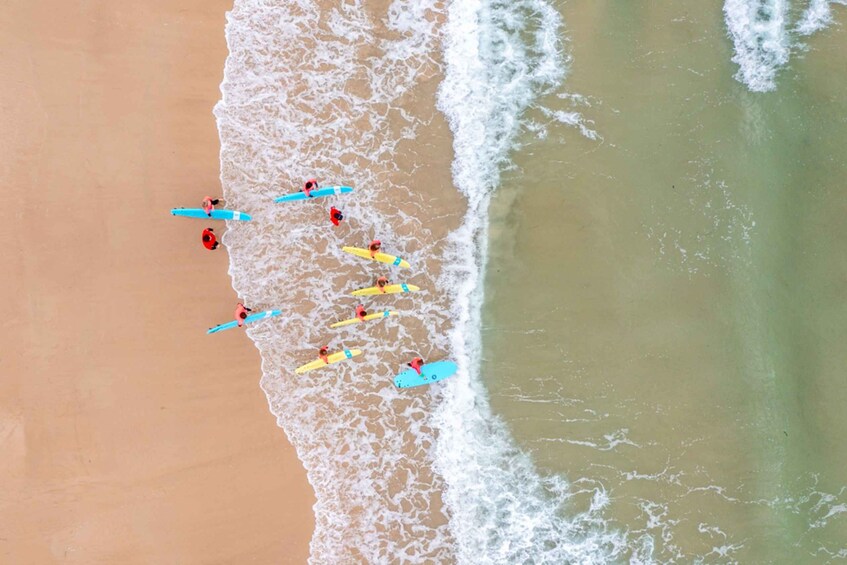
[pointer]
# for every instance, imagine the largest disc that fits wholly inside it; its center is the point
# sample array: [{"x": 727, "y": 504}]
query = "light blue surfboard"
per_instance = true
[
  {"x": 430, "y": 373},
  {"x": 216, "y": 214},
  {"x": 248, "y": 320},
  {"x": 325, "y": 191}
]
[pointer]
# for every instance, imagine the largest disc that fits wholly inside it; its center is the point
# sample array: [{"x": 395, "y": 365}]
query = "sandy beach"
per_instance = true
[{"x": 128, "y": 435}]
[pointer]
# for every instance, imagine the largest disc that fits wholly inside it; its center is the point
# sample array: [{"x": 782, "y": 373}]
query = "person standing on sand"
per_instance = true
[
  {"x": 209, "y": 204},
  {"x": 374, "y": 247},
  {"x": 381, "y": 282},
  {"x": 416, "y": 364},
  {"x": 335, "y": 215},
  {"x": 241, "y": 313},
  {"x": 309, "y": 186},
  {"x": 210, "y": 242}
]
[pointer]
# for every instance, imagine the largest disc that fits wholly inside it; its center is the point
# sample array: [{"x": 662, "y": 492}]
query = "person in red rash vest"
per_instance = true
[
  {"x": 309, "y": 186},
  {"x": 374, "y": 247},
  {"x": 209, "y": 204},
  {"x": 335, "y": 215},
  {"x": 361, "y": 312},
  {"x": 210, "y": 242},
  {"x": 416, "y": 364},
  {"x": 241, "y": 313}
]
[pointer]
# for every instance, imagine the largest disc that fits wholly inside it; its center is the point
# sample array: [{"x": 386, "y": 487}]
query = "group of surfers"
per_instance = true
[{"x": 210, "y": 242}]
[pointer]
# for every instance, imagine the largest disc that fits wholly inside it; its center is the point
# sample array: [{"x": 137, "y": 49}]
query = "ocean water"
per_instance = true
[
  {"x": 625, "y": 222},
  {"x": 664, "y": 310}
]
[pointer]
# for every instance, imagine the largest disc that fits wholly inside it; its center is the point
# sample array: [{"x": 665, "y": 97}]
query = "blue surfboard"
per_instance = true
[
  {"x": 325, "y": 191},
  {"x": 430, "y": 373},
  {"x": 216, "y": 214},
  {"x": 248, "y": 320}
]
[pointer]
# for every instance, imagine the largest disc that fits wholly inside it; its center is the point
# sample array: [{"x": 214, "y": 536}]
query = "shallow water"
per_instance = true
[{"x": 664, "y": 307}]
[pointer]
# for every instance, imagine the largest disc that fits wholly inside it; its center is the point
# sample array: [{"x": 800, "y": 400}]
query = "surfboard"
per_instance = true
[
  {"x": 248, "y": 320},
  {"x": 430, "y": 373},
  {"x": 333, "y": 358},
  {"x": 381, "y": 257},
  {"x": 389, "y": 289},
  {"x": 325, "y": 191},
  {"x": 216, "y": 214},
  {"x": 368, "y": 318}
]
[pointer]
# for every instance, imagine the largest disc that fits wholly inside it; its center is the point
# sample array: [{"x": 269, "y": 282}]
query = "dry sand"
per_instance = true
[{"x": 127, "y": 434}]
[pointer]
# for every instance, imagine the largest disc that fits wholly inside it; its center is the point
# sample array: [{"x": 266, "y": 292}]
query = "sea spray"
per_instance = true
[
  {"x": 817, "y": 16},
  {"x": 763, "y": 39},
  {"x": 759, "y": 33}
]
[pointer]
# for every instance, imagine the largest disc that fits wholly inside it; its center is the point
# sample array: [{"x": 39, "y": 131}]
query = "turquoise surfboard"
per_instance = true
[
  {"x": 430, "y": 373},
  {"x": 325, "y": 191},
  {"x": 248, "y": 320},
  {"x": 216, "y": 214}
]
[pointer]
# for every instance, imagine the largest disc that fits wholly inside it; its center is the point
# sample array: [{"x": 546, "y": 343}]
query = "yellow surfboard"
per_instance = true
[
  {"x": 333, "y": 358},
  {"x": 381, "y": 257},
  {"x": 368, "y": 318},
  {"x": 389, "y": 289}
]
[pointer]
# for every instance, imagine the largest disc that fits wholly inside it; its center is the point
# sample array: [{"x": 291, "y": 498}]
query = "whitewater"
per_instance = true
[{"x": 765, "y": 33}]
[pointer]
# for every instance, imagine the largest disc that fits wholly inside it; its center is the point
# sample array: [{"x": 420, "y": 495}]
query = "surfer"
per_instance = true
[
  {"x": 209, "y": 239},
  {"x": 209, "y": 204},
  {"x": 241, "y": 313},
  {"x": 323, "y": 354},
  {"x": 309, "y": 186},
  {"x": 335, "y": 215},
  {"x": 361, "y": 312},
  {"x": 381, "y": 282},
  {"x": 416, "y": 364},
  {"x": 374, "y": 247}
]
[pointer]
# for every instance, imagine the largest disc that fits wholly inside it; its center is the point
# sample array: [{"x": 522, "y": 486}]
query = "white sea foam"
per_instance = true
[
  {"x": 572, "y": 119},
  {"x": 759, "y": 34},
  {"x": 817, "y": 16},
  {"x": 763, "y": 38}
]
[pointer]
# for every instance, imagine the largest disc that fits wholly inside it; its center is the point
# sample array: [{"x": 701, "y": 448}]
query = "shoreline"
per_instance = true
[
  {"x": 387, "y": 140},
  {"x": 129, "y": 434}
]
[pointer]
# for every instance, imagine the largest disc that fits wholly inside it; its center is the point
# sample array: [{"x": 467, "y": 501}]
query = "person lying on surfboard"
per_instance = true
[
  {"x": 209, "y": 204},
  {"x": 309, "y": 186},
  {"x": 335, "y": 215},
  {"x": 210, "y": 242},
  {"x": 416, "y": 364},
  {"x": 381, "y": 283},
  {"x": 361, "y": 312},
  {"x": 323, "y": 354},
  {"x": 374, "y": 247},
  {"x": 241, "y": 313}
]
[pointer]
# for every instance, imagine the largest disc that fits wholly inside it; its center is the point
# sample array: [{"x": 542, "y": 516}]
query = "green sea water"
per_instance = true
[{"x": 665, "y": 304}]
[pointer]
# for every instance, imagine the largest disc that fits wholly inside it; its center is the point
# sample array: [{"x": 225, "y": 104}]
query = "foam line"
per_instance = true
[{"x": 759, "y": 33}]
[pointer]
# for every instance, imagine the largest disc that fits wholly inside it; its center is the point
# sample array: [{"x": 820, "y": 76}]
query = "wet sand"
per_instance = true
[{"x": 128, "y": 435}]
